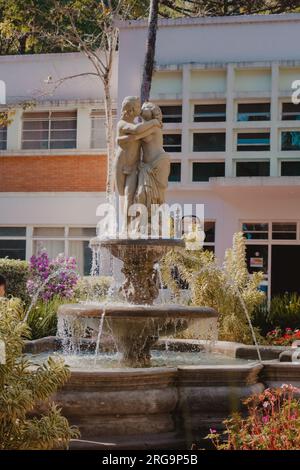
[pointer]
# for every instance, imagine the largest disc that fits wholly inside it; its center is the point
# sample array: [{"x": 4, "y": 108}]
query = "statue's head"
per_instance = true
[
  {"x": 131, "y": 107},
  {"x": 151, "y": 111}
]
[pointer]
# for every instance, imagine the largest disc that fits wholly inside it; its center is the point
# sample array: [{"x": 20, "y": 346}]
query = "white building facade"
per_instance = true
[{"x": 231, "y": 128}]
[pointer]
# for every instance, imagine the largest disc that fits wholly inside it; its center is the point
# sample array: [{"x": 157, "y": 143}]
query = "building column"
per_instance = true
[
  {"x": 14, "y": 131},
  {"x": 229, "y": 167},
  {"x": 83, "y": 129},
  {"x": 185, "y": 136},
  {"x": 274, "y": 119}
]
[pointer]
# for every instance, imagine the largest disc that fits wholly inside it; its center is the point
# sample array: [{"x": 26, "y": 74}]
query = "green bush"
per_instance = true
[
  {"x": 42, "y": 318},
  {"x": 260, "y": 318},
  {"x": 285, "y": 311},
  {"x": 16, "y": 273},
  {"x": 92, "y": 288},
  {"x": 23, "y": 388}
]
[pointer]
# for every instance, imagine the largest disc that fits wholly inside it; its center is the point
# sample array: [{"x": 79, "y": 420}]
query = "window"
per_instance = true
[
  {"x": 204, "y": 171},
  {"x": 254, "y": 141},
  {"x": 172, "y": 142},
  {"x": 49, "y": 130},
  {"x": 253, "y": 169},
  {"x": 209, "y": 142},
  {"x": 3, "y": 138},
  {"x": 175, "y": 172},
  {"x": 13, "y": 242},
  {"x": 283, "y": 231},
  {"x": 171, "y": 113},
  {"x": 209, "y": 112},
  {"x": 290, "y": 140},
  {"x": 290, "y": 168},
  {"x": 290, "y": 112},
  {"x": 254, "y": 112},
  {"x": 50, "y": 239},
  {"x": 79, "y": 238},
  {"x": 255, "y": 231},
  {"x": 98, "y": 130},
  {"x": 72, "y": 240}
]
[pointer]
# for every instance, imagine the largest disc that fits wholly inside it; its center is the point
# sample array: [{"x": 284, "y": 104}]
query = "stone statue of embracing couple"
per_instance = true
[{"x": 142, "y": 166}]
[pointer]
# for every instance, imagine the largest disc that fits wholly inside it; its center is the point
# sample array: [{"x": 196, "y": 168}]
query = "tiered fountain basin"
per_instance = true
[{"x": 169, "y": 406}]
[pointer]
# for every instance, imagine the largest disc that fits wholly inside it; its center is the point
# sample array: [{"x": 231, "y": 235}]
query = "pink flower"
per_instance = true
[
  {"x": 212, "y": 431},
  {"x": 265, "y": 419}
]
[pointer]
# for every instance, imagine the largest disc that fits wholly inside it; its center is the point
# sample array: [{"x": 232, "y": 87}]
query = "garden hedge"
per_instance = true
[{"x": 16, "y": 273}]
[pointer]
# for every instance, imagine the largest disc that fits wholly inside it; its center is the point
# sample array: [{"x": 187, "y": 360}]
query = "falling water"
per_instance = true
[
  {"x": 99, "y": 333},
  {"x": 162, "y": 296}
]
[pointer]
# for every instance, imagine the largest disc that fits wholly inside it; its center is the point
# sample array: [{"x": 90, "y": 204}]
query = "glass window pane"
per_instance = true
[
  {"x": 255, "y": 231},
  {"x": 13, "y": 249},
  {"x": 171, "y": 113},
  {"x": 209, "y": 229},
  {"x": 204, "y": 171},
  {"x": 35, "y": 125},
  {"x": 175, "y": 171},
  {"x": 255, "y": 141},
  {"x": 3, "y": 138},
  {"x": 83, "y": 254},
  {"x": 38, "y": 145},
  {"x": 48, "y": 232},
  {"x": 290, "y": 169},
  {"x": 63, "y": 135},
  {"x": 254, "y": 112},
  {"x": 35, "y": 135},
  {"x": 63, "y": 125},
  {"x": 63, "y": 144},
  {"x": 12, "y": 231},
  {"x": 209, "y": 112},
  {"x": 284, "y": 231},
  {"x": 290, "y": 112},
  {"x": 253, "y": 169},
  {"x": 87, "y": 232},
  {"x": 290, "y": 140},
  {"x": 172, "y": 142},
  {"x": 209, "y": 142},
  {"x": 52, "y": 247}
]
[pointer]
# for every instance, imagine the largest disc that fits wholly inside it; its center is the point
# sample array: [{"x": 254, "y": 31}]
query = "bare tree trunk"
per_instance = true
[
  {"x": 150, "y": 51},
  {"x": 110, "y": 139}
]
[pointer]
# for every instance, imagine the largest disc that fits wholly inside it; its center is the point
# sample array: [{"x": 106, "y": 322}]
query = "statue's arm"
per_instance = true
[
  {"x": 132, "y": 137},
  {"x": 137, "y": 129}
]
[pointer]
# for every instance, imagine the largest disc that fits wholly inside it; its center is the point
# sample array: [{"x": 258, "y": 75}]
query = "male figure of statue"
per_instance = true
[{"x": 129, "y": 152}]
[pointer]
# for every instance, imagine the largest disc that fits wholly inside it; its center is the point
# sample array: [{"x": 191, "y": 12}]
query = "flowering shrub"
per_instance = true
[
  {"x": 273, "y": 423},
  {"x": 280, "y": 338},
  {"x": 51, "y": 278}
]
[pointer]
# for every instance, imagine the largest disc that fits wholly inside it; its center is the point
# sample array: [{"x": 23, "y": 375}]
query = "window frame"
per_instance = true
[{"x": 50, "y": 119}]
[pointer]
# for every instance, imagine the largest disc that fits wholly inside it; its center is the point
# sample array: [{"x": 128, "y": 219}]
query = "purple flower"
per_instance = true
[{"x": 50, "y": 277}]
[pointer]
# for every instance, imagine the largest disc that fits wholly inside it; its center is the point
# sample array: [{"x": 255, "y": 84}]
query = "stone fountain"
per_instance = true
[{"x": 141, "y": 172}]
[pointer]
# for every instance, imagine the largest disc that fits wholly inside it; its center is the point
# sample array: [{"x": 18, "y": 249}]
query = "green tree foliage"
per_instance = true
[
  {"x": 28, "y": 26},
  {"x": 23, "y": 387},
  {"x": 228, "y": 288},
  {"x": 227, "y": 7}
]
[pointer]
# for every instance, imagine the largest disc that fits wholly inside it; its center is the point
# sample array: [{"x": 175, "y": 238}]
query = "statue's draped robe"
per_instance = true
[{"x": 153, "y": 181}]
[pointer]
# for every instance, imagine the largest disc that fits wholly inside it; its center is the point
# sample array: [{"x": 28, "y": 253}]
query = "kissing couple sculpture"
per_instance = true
[{"x": 142, "y": 166}]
